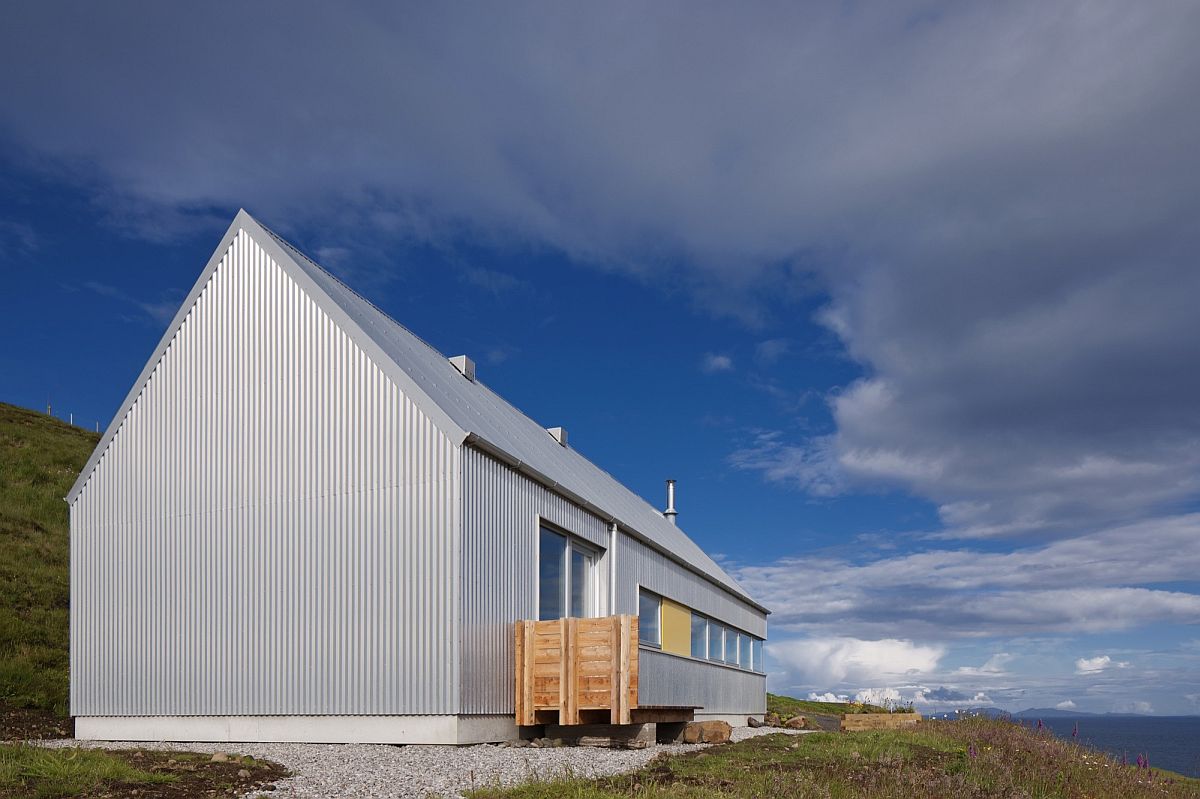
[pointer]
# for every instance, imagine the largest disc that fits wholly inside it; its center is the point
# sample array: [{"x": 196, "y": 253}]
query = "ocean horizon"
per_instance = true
[{"x": 1171, "y": 742}]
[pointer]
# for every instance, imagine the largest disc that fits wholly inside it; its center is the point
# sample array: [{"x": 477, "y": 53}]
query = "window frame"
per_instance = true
[
  {"x": 707, "y": 624},
  {"x": 657, "y": 644},
  {"x": 573, "y": 543}
]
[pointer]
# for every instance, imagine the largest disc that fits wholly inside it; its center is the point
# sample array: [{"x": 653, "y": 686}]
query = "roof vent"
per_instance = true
[
  {"x": 465, "y": 365},
  {"x": 559, "y": 433},
  {"x": 670, "y": 512}
]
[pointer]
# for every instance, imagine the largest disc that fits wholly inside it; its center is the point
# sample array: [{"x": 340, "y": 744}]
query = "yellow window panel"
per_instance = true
[{"x": 676, "y": 628}]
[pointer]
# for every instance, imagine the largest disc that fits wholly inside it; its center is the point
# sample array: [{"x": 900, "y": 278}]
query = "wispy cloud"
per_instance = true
[
  {"x": 1084, "y": 584},
  {"x": 159, "y": 312},
  {"x": 713, "y": 363}
]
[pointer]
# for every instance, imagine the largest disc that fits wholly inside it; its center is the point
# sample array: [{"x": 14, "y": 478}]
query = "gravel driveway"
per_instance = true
[{"x": 369, "y": 770}]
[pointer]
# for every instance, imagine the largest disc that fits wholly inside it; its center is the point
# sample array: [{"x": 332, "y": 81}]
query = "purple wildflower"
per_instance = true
[
  {"x": 1040, "y": 725},
  {"x": 972, "y": 751},
  {"x": 1075, "y": 732}
]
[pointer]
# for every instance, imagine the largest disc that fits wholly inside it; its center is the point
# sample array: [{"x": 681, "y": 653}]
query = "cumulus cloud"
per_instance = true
[
  {"x": 830, "y": 661},
  {"x": 828, "y": 696},
  {"x": 1097, "y": 664},
  {"x": 1066, "y": 704},
  {"x": 713, "y": 363}
]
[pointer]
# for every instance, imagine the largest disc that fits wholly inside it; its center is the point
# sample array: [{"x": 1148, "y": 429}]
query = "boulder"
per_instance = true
[
  {"x": 220, "y": 757},
  {"x": 753, "y": 722},
  {"x": 707, "y": 732},
  {"x": 796, "y": 723},
  {"x": 772, "y": 719}
]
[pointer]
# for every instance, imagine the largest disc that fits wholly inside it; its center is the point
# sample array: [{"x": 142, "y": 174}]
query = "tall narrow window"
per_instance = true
[
  {"x": 716, "y": 641},
  {"x": 731, "y": 646},
  {"x": 582, "y": 592},
  {"x": 649, "y": 617},
  {"x": 699, "y": 636},
  {"x": 744, "y": 656},
  {"x": 552, "y": 593},
  {"x": 758, "y": 656}
]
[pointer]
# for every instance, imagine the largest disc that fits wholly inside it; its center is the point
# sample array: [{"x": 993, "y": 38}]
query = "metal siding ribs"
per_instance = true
[{"x": 271, "y": 529}]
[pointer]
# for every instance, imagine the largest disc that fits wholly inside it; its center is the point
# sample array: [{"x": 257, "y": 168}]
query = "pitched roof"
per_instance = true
[{"x": 464, "y": 409}]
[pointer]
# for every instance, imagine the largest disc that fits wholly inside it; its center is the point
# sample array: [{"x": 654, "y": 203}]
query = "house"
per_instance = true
[{"x": 306, "y": 524}]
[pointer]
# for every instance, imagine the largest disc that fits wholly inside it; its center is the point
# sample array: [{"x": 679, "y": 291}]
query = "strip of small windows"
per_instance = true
[{"x": 675, "y": 628}]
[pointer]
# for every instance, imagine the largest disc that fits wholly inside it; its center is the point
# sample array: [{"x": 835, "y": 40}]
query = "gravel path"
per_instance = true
[{"x": 356, "y": 771}]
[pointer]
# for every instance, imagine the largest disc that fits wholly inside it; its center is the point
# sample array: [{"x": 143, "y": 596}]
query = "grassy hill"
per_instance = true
[
  {"x": 787, "y": 707},
  {"x": 40, "y": 458}
]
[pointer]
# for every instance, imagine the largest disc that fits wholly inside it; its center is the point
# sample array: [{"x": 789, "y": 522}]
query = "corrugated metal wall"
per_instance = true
[
  {"x": 499, "y": 568},
  {"x": 273, "y": 529},
  {"x": 639, "y": 565},
  {"x": 669, "y": 680}
]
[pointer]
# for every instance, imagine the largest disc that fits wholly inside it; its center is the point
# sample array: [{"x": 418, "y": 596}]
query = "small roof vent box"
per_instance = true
[
  {"x": 465, "y": 365},
  {"x": 559, "y": 433}
]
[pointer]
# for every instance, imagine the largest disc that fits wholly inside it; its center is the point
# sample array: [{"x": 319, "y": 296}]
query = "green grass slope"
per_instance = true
[
  {"x": 40, "y": 458},
  {"x": 968, "y": 759}
]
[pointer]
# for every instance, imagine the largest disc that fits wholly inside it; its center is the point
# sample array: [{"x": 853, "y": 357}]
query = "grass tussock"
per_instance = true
[
  {"x": 31, "y": 771},
  {"x": 972, "y": 759},
  {"x": 40, "y": 457}
]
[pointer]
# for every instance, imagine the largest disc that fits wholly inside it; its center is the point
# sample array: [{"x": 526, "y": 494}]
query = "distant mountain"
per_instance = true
[
  {"x": 988, "y": 712},
  {"x": 1053, "y": 712}
]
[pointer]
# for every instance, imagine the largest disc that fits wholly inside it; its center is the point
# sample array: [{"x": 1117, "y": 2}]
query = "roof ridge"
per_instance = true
[{"x": 295, "y": 251}]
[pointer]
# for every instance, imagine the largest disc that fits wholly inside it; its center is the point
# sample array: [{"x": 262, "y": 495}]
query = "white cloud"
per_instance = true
[
  {"x": 828, "y": 696},
  {"x": 810, "y": 467},
  {"x": 1066, "y": 704},
  {"x": 835, "y": 661},
  {"x": 1095, "y": 665},
  {"x": 992, "y": 667},
  {"x": 878, "y": 696},
  {"x": 713, "y": 363},
  {"x": 1139, "y": 706},
  {"x": 942, "y": 593}
]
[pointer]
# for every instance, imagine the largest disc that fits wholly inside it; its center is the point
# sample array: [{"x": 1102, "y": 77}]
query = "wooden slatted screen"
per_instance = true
[{"x": 572, "y": 665}]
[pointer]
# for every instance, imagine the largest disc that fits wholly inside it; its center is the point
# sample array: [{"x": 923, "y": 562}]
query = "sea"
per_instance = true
[{"x": 1171, "y": 742}]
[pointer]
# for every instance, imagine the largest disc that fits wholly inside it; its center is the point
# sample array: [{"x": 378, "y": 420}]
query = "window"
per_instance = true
[
  {"x": 583, "y": 565},
  {"x": 552, "y": 593},
  {"x": 744, "y": 656},
  {"x": 758, "y": 656},
  {"x": 649, "y": 613},
  {"x": 699, "y": 636},
  {"x": 716, "y": 641},
  {"x": 731, "y": 646},
  {"x": 566, "y": 577}
]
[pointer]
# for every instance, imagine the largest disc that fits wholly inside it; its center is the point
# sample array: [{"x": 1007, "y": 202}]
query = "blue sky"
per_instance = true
[{"x": 902, "y": 294}]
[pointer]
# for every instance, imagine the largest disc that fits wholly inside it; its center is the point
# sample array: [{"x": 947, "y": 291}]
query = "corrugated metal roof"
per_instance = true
[{"x": 494, "y": 425}]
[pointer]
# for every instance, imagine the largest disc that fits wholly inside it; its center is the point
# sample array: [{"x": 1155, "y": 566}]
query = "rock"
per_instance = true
[
  {"x": 753, "y": 722},
  {"x": 243, "y": 773},
  {"x": 220, "y": 757},
  {"x": 796, "y": 723},
  {"x": 171, "y": 761},
  {"x": 520, "y": 743},
  {"x": 707, "y": 732},
  {"x": 772, "y": 719}
]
